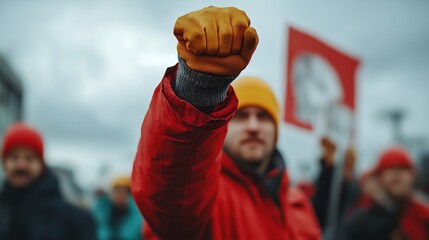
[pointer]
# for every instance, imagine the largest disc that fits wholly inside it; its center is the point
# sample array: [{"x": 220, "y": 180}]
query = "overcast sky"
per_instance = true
[{"x": 90, "y": 67}]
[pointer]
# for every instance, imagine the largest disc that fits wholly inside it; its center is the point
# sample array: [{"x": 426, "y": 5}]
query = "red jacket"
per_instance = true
[
  {"x": 415, "y": 221},
  {"x": 187, "y": 188}
]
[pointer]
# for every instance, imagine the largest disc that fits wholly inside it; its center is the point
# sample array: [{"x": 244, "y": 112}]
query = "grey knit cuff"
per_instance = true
[{"x": 200, "y": 89}]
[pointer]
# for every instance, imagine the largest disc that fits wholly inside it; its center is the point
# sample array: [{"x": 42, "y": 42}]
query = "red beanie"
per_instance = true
[
  {"x": 394, "y": 157},
  {"x": 20, "y": 134}
]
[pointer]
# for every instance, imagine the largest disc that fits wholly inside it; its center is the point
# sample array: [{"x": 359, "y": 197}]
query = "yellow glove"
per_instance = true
[{"x": 216, "y": 40}]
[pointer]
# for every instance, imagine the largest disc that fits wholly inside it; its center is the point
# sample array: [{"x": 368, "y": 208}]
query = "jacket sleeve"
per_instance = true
[
  {"x": 321, "y": 198},
  {"x": 177, "y": 166}
]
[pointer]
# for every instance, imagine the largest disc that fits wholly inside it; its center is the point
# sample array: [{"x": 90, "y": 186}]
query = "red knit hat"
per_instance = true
[
  {"x": 20, "y": 134},
  {"x": 394, "y": 157}
]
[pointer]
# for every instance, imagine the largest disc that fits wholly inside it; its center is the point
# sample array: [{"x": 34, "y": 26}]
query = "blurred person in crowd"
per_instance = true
[
  {"x": 117, "y": 215},
  {"x": 207, "y": 166},
  {"x": 31, "y": 205},
  {"x": 369, "y": 192},
  {"x": 395, "y": 213},
  {"x": 324, "y": 182},
  {"x": 350, "y": 190}
]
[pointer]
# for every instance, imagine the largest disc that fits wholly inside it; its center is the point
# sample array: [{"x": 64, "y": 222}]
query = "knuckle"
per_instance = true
[
  {"x": 241, "y": 25},
  {"x": 196, "y": 36},
  {"x": 225, "y": 35}
]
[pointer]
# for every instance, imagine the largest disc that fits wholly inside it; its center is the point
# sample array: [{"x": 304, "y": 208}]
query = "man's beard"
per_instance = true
[
  {"x": 253, "y": 164},
  {"x": 21, "y": 173}
]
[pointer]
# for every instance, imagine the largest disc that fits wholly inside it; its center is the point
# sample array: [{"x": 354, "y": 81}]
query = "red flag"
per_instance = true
[{"x": 339, "y": 66}]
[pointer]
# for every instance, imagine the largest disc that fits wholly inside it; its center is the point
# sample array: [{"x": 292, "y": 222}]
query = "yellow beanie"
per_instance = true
[
  {"x": 122, "y": 181},
  {"x": 252, "y": 91}
]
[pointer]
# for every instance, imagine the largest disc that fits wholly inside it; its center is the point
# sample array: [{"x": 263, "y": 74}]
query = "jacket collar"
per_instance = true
[{"x": 247, "y": 175}]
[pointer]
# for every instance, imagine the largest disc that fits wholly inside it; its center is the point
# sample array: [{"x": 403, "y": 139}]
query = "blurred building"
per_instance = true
[{"x": 11, "y": 98}]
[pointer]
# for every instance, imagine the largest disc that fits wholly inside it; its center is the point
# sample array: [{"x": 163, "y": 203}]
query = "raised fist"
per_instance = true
[{"x": 216, "y": 40}]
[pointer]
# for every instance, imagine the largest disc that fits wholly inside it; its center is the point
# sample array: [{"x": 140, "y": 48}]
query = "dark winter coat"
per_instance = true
[
  {"x": 322, "y": 197},
  {"x": 378, "y": 223},
  {"x": 39, "y": 212}
]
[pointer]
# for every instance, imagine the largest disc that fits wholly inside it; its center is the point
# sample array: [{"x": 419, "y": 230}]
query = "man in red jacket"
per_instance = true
[{"x": 195, "y": 179}]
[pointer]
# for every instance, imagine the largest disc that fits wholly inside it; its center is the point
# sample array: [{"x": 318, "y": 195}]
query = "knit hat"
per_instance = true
[
  {"x": 121, "y": 181},
  {"x": 21, "y": 135},
  {"x": 394, "y": 157},
  {"x": 252, "y": 91}
]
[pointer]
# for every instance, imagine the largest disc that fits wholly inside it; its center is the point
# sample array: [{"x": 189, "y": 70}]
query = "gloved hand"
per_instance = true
[
  {"x": 216, "y": 40},
  {"x": 328, "y": 151}
]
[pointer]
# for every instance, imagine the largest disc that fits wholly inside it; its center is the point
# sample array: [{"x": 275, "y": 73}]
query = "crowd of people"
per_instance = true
[
  {"x": 32, "y": 205},
  {"x": 208, "y": 167},
  {"x": 380, "y": 204}
]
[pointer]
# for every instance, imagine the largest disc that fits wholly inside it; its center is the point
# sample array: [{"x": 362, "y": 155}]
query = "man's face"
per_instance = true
[
  {"x": 251, "y": 135},
  {"x": 397, "y": 182},
  {"x": 120, "y": 196},
  {"x": 22, "y": 166}
]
